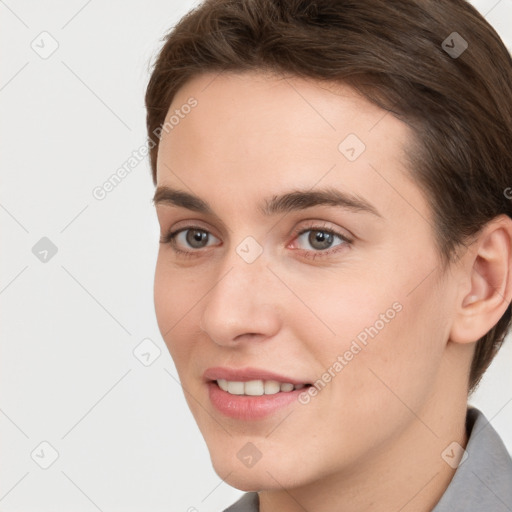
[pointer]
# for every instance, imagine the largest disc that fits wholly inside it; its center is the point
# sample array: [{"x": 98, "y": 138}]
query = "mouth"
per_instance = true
[
  {"x": 252, "y": 393},
  {"x": 253, "y": 399},
  {"x": 257, "y": 387}
]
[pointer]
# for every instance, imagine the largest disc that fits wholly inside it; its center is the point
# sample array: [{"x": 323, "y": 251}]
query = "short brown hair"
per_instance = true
[{"x": 458, "y": 106}]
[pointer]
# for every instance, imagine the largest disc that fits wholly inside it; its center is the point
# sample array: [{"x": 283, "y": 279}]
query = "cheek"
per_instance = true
[
  {"x": 388, "y": 341},
  {"x": 340, "y": 312},
  {"x": 175, "y": 296}
]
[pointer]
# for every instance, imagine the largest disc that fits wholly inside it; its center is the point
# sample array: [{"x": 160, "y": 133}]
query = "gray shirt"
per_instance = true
[{"x": 481, "y": 483}]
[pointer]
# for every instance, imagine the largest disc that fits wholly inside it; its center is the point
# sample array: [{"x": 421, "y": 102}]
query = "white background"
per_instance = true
[{"x": 125, "y": 437}]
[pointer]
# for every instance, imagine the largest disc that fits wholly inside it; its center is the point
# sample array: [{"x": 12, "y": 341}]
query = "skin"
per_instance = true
[{"x": 372, "y": 438}]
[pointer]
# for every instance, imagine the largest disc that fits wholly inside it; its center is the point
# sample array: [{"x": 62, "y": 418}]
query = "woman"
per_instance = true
[{"x": 334, "y": 275}]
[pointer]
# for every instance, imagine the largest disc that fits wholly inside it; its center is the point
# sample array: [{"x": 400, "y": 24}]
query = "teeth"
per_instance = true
[
  {"x": 236, "y": 388},
  {"x": 223, "y": 384},
  {"x": 256, "y": 387},
  {"x": 272, "y": 387}
]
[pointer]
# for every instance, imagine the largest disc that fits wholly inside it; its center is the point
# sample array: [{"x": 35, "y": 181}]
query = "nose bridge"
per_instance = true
[
  {"x": 242, "y": 300},
  {"x": 244, "y": 268}
]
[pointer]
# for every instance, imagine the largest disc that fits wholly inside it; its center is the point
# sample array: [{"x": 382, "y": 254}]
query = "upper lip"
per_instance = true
[{"x": 246, "y": 374}]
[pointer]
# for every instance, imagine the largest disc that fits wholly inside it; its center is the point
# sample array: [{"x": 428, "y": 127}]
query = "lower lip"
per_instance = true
[{"x": 247, "y": 408}]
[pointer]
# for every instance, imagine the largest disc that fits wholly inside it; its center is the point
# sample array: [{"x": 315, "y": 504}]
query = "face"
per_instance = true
[{"x": 307, "y": 257}]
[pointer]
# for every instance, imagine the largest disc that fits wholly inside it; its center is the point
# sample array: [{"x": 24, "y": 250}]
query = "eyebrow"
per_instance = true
[{"x": 294, "y": 200}]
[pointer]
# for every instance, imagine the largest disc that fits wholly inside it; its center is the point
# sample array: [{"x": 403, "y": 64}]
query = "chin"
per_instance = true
[
  {"x": 264, "y": 475},
  {"x": 246, "y": 480}
]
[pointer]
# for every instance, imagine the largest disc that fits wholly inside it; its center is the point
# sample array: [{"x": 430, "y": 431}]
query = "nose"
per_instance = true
[{"x": 242, "y": 304}]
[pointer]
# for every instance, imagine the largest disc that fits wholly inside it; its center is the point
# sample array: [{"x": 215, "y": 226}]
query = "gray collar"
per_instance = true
[{"x": 482, "y": 482}]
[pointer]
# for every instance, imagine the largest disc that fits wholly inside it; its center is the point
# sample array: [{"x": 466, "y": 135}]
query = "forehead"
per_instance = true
[
  {"x": 260, "y": 108},
  {"x": 256, "y": 132}
]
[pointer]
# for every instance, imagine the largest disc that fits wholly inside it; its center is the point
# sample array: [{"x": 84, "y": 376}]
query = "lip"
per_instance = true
[
  {"x": 246, "y": 374},
  {"x": 248, "y": 408}
]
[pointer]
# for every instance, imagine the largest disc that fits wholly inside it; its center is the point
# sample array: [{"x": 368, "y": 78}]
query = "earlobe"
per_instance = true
[{"x": 488, "y": 268}]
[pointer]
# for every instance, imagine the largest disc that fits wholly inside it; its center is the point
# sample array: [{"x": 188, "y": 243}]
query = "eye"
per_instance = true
[
  {"x": 314, "y": 241},
  {"x": 317, "y": 241},
  {"x": 188, "y": 238}
]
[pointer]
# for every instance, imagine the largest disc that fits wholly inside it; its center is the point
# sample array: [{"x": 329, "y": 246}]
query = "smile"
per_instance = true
[{"x": 256, "y": 387}]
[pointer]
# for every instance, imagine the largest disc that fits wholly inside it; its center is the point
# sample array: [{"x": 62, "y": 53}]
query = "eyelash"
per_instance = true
[{"x": 169, "y": 238}]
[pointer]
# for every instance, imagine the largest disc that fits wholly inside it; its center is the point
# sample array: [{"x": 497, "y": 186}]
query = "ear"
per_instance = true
[{"x": 486, "y": 288}]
